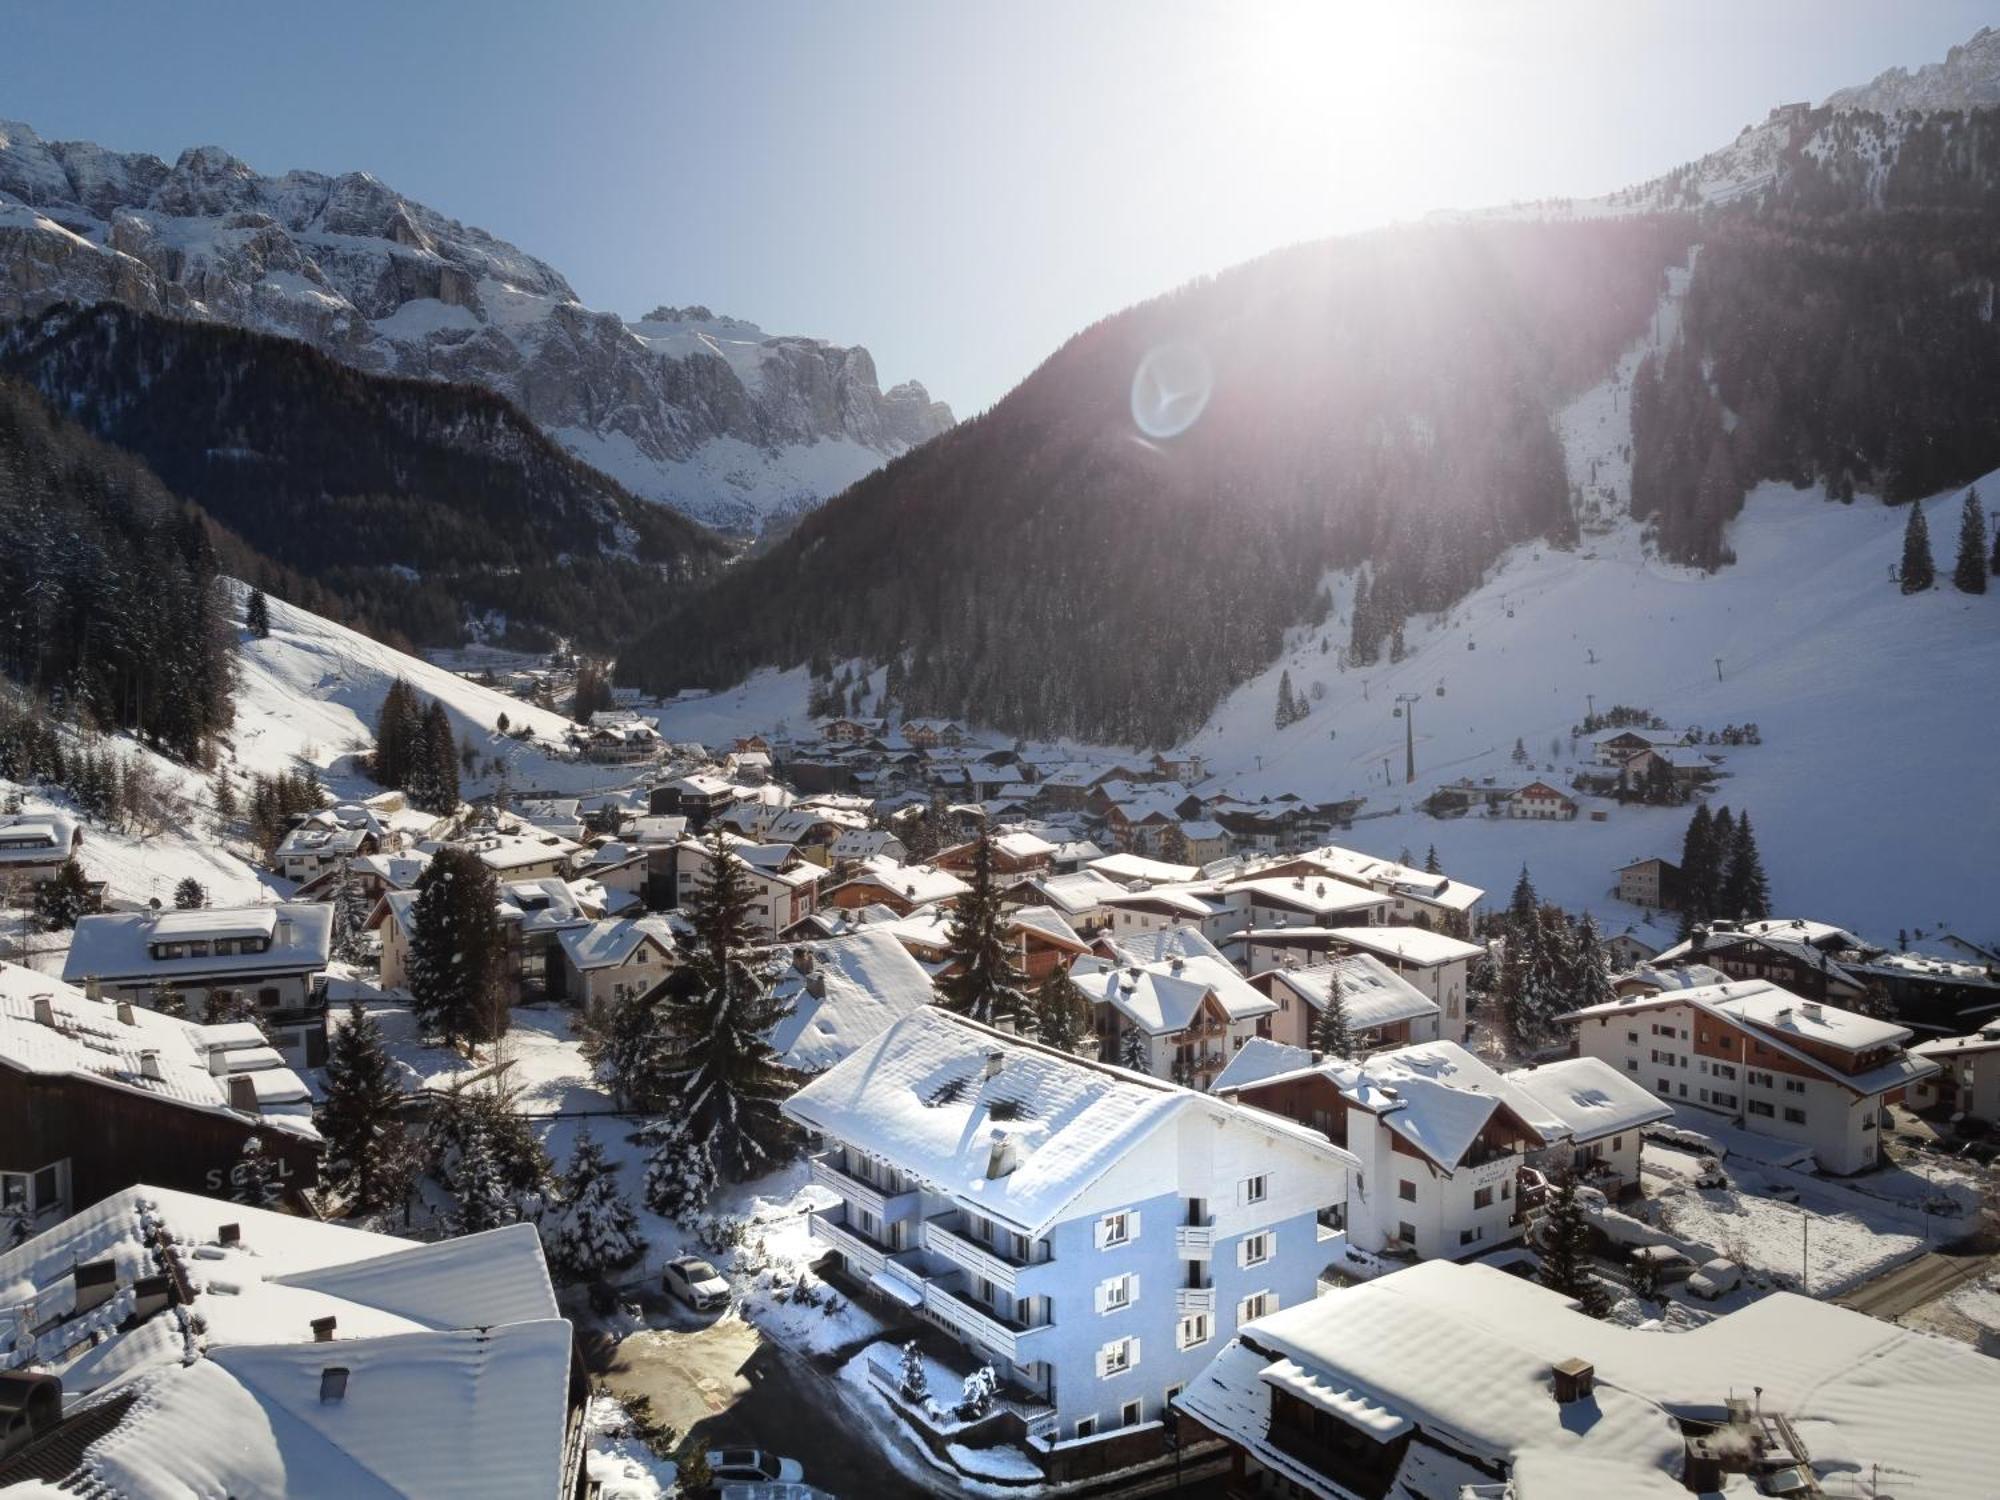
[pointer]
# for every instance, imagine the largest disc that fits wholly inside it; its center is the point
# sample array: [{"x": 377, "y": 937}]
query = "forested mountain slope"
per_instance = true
[
  {"x": 425, "y": 508},
  {"x": 1053, "y": 569}
]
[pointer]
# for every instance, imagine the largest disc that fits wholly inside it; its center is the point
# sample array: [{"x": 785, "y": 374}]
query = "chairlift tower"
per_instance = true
[{"x": 1406, "y": 710}]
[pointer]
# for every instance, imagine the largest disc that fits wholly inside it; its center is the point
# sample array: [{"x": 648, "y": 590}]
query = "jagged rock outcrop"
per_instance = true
[{"x": 708, "y": 414}]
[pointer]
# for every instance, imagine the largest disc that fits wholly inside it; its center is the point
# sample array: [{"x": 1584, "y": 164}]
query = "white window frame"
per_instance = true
[
  {"x": 1201, "y": 1325},
  {"x": 1115, "y": 1230},
  {"x": 1132, "y": 1413},
  {"x": 1257, "y": 1189},
  {"x": 1121, "y": 1351},
  {"x": 1256, "y": 1248}
]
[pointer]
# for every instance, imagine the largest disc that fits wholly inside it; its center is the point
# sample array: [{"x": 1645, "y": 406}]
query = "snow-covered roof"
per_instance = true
[
  {"x": 1160, "y": 945},
  {"x": 1260, "y": 1058},
  {"x": 919, "y": 885},
  {"x": 397, "y": 871},
  {"x": 1045, "y": 921},
  {"x": 866, "y": 982},
  {"x": 1986, "y": 1039},
  {"x": 1320, "y": 898},
  {"x": 863, "y": 843},
  {"x": 501, "y": 852},
  {"x": 1372, "y": 994},
  {"x": 1778, "y": 1017},
  {"x": 88, "y": 1039},
  {"x": 933, "y": 1092},
  {"x": 1591, "y": 1098},
  {"x": 457, "y": 1358},
  {"x": 1163, "y": 996},
  {"x": 32, "y": 838},
  {"x": 1194, "y": 901},
  {"x": 1135, "y": 869},
  {"x": 117, "y": 945},
  {"x": 1464, "y": 1352},
  {"x": 1076, "y": 893},
  {"x": 1390, "y": 875},
  {"x": 1411, "y": 945},
  {"x": 318, "y": 838},
  {"x": 606, "y": 944}
]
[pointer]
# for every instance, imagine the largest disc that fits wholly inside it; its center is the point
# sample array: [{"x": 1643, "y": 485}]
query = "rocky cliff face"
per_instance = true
[{"x": 708, "y": 414}]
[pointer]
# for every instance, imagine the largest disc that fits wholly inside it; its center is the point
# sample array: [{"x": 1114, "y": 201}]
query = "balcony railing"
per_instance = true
[
  {"x": 830, "y": 1228},
  {"x": 981, "y": 1325},
  {"x": 1194, "y": 1299},
  {"x": 945, "y": 1235},
  {"x": 887, "y": 1206},
  {"x": 1194, "y": 1241}
]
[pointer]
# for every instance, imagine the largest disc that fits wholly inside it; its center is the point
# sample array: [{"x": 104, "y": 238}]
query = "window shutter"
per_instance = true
[
  {"x": 1270, "y": 1302},
  {"x": 1132, "y": 1220},
  {"x": 1103, "y": 1361},
  {"x": 1132, "y": 1292},
  {"x": 1134, "y": 1361},
  {"x": 1103, "y": 1232},
  {"x": 1243, "y": 1251},
  {"x": 1103, "y": 1295},
  {"x": 1270, "y": 1244}
]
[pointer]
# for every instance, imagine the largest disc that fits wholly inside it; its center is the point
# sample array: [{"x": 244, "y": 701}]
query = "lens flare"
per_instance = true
[{"x": 1170, "y": 389}]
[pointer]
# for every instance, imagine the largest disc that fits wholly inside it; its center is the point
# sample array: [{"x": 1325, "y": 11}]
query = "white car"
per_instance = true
[
  {"x": 696, "y": 1283},
  {"x": 1716, "y": 1278},
  {"x": 1668, "y": 1263},
  {"x": 752, "y": 1466}
]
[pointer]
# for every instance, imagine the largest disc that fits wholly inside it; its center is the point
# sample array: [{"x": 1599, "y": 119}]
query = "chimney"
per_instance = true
[
  {"x": 243, "y": 1093},
  {"x": 1784, "y": 1015},
  {"x": 45, "y": 1010},
  {"x": 1574, "y": 1380},
  {"x": 995, "y": 1060},
  {"x": 150, "y": 1294},
  {"x": 1810, "y": 1010},
  {"x": 323, "y": 1329},
  {"x": 149, "y": 1064},
  {"x": 1000, "y": 1155},
  {"x": 333, "y": 1384},
  {"x": 93, "y": 987},
  {"x": 96, "y": 1282},
  {"x": 816, "y": 985},
  {"x": 125, "y": 1013},
  {"x": 802, "y": 960},
  {"x": 229, "y": 1234},
  {"x": 218, "y": 1061}
]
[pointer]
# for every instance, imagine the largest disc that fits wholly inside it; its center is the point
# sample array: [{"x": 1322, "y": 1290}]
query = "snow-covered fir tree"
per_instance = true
[
  {"x": 1746, "y": 893},
  {"x": 1062, "y": 1014},
  {"x": 359, "y": 1115},
  {"x": 624, "y": 1040},
  {"x": 257, "y": 615},
  {"x": 1332, "y": 1036},
  {"x": 1132, "y": 1050},
  {"x": 254, "y": 1179},
  {"x": 680, "y": 1169},
  {"x": 481, "y": 1199},
  {"x": 456, "y": 949},
  {"x": 597, "y": 1230},
  {"x": 1564, "y": 1245},
  {"x": 983, "y": 982},
  {"x": 913, "y": 1381},
  {"x": 1590, "y": 982},
  {"x": 717, "y": 1067},
  {"x": 190, "y": 894}
]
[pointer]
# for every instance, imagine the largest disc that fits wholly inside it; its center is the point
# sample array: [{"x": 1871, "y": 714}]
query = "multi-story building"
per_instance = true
[
  {"x": 1092, "y": 1234},
  {"x": 1438, "y": 1139},
  {"x": 1382, "y": 1008},
  {"x": 268, "y": 956},
  {"x": 1420, "y": 896},
  {"x": 33, "y": 846},
  {"x": 784, "y": 888},
  {"x": 1171, "y": 1000},
  {"x": 1763, "y": 1058}
]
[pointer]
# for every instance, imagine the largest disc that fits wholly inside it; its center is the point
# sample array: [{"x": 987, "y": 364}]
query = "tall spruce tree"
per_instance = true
[
  {"x": 1523, "y": 904},
  {"x": 597, "y": 1230},
  {"x": 720, "y": 1071},
  {"x": 1133, "y": 1051},
  {"x": 434, "y": 775},
  {"x": 1062, "y": 1014},
  {"x": 680, "y": 1170},
  {"x": 1698, "y": 862},
  {"x": 456, "y": 949},
  {"x": 1431, "y": 865},
  {"x": 1590, "y": 973},
  {"x": 1746, "y": 893},
  {"x": 1288, "y": 704},
  {"x": 1968, "y": 574},
  {"x": 358, "y": 1115},
  {"x": 1565, "y": 1247},
  {"x": 483, "y": 1201},
  {"x": 257, "y": 615},
  {"x": 1722, "y": 836},
  {"x": 1332, "y": 1036},
  {"x": 1918, "y": 572},
  {"x": 398, "y": 732},
  {"x": 985, "y": 985}
]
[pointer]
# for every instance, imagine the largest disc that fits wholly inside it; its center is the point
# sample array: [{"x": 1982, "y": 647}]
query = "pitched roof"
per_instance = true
[
  {"x": 1372, "y": 994},
  {"x": 604, "y": 945},
  {"x": 116, "y": 945},
  {"x": 1128, "y": 869},
  {"x": 932, "y": 1092},
  {"x": 88, "y": 1040},
  {"x": 1410, "y": 945},
  {"x": 1591, "y": 1098},
  {"x": 1260, "y": 1058},
  {"x": 867, "y": 982},
  {"x": 1163, "y": 996}
]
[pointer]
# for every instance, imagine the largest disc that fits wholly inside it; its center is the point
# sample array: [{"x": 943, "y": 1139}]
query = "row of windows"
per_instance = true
[{"x": 221, "y": 948}]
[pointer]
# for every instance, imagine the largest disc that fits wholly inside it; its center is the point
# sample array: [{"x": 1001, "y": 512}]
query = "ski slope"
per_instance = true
[{"x": 1871, "y": 793}]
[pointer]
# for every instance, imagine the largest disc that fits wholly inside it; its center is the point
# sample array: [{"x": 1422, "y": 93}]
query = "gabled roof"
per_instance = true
[
  {"x": 1591, "y": 1098},
  {"x": 1260, "y": 1058},
  {"x": 1077, "y": 892},
  {"x": 1163, "y": 996},
  {"x": 116, "y": 945},
  {"x": 88, "y": 1040},
  {"x": 931, "y": 1093},
  {"x": 867, "y": 981},
  {"x": 606, "y": 944},
  {"x": 1410, "y": 945},
  {"x": 1318, "y": 898},
  {"x": 919, "y": 885},
  {"x": 1131, "y": 869},
  {"x": 1372, "y": 994}
]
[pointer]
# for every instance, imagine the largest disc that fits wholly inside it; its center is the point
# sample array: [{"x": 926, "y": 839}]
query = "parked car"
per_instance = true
[
  {"x": 1715, "y": 1278},
  {"x": 752, "y": 1466},
  {"x": 1668, "y": 1263},
  {"x": 1784, "y": 1192},
  {"x": 696, "y": 1283}
]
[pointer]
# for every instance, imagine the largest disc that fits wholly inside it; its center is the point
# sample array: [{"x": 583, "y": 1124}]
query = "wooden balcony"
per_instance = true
[
  {"x": 828, "y": 1172},
  {"x": 945, "y": 1235}
]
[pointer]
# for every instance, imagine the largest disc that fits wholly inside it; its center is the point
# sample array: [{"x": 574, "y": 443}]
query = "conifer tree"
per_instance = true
[
  {"x": 350, "y": 915},
  {"x": 1968, "y": 575},
  {"x": 456, "y": 949},
  {"x": 1918, "y": 571},
  {"x": 1062, "y": 1013},
  {"x": 1288, "y": 705},
  {"x": 64, "y": 897},
  {"x": 482, "y": 1200},
  {"x": 914, "y": 1382},
  {"x": 598, "y": 1231},
  {"x": 1524, "y": 903},
  {"x": 680, "y": 1171},
  {"x": 717, "y": 1066},
  {"x": 1698, "y": 864},
  {"x": 257, "y": 615},
  {"x": 190, "y": 894},
  {"x": 398, "y": 731},
  {"x": 225, "y": 797},
  {"x": 254, "y": 1179},
  {"x": 1590, "y": 974},
  {"x": 624, "y": 1042},
  {"x": 433, "y": 780},
  {"x": 1431, "y": 865},
  {"x": 1565, "y": 1247},
  {"x": 358, "y": 1116},
  {"x": 1132, "y": 1050},
  {"x": 1746, "y": 893},
  {"x": 1332, "y": 1037},
  {"x": 985, "y": 985}
]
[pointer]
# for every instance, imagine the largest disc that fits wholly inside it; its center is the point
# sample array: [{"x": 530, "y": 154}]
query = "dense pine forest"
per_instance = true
[
  {"x": 1838, "y": 332},
  {"x": 1385, "y": 398},
  {"x": 416, "y": 504},
  {"x": 114, "y": 614}
]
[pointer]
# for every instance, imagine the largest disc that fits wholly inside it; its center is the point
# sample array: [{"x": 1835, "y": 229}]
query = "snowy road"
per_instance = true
[{"x": 1916, "y": 1283}]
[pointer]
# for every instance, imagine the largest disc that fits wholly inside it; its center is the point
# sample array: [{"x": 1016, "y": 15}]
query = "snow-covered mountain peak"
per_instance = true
[
  {"x": 1968, "y": 78},
  {"x": 707, "y": 413}
]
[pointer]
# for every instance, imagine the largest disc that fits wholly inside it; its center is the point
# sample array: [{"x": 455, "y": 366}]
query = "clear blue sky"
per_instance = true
[{"x": 959, "y": 187}]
